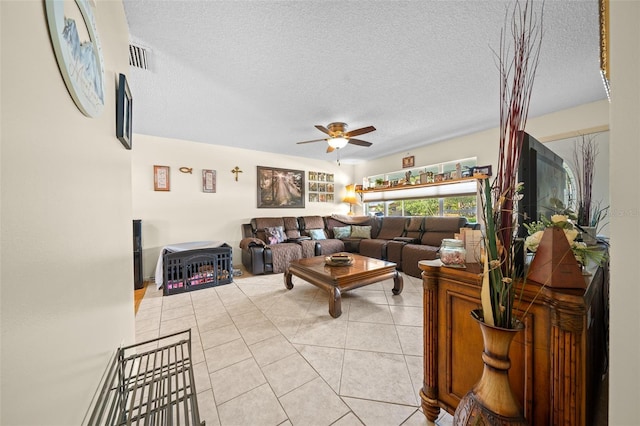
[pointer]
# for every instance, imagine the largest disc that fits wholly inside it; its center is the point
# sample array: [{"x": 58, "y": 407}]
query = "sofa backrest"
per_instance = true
[
  {"x": 438, "y": 227},
  {"x": 392, "y": 226},
  {"x": 414, "y": 227},
  {"x": 289, "y": 226},
  {"x": 335, "y": 220}
]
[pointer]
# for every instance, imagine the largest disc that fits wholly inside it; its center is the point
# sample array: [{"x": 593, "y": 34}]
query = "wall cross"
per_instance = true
[{"x": 236, "y": 170}]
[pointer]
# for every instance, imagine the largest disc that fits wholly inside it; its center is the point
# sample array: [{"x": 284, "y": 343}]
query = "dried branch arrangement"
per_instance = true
[{"x": 517, "y": 61}]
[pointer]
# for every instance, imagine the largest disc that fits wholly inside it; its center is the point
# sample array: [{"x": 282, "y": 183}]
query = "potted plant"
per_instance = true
[{"x": 590, "y": 214}]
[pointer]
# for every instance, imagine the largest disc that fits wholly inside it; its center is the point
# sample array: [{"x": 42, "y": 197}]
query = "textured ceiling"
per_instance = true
[{"x": 261, "y": 74}]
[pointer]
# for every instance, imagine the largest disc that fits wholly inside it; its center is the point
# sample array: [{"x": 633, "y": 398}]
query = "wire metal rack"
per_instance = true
[{"x": 149, "y": 384}]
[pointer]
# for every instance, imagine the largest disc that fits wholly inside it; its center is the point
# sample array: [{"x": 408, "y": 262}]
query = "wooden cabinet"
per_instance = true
[{"x": 557, "y": 362}]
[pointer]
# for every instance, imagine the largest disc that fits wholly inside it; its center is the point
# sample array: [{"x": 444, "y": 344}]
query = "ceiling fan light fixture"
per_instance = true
[{"x": 338, "y": 142}]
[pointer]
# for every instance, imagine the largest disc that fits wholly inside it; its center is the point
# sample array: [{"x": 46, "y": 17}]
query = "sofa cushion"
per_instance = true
[
  {"x": 317, "y": 234},
  {"x": 291, "y": 228},
  {"x": 342, "y": 231},
  {"x": 274, "y": 234},
  {"x": 392, "y": 227},
  {"x": 436, "y": 228},
  {"x": 360, "y": 231},
  {"x": 312, "y": 222}
]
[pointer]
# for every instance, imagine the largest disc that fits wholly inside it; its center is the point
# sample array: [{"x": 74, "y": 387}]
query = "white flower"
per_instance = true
[
  {"x": 532, "y": 241},
  {"x": 559, "y": 218},
  {"x": 571, "y": 235}
]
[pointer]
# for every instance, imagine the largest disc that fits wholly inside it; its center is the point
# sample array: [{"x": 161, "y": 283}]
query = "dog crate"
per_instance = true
[
  {"x": 149, "y": 383},
  {"x": 191, "y": 270}
]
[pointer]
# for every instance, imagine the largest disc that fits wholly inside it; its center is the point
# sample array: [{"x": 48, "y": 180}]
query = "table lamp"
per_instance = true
[{"x": 350, "y": 197}]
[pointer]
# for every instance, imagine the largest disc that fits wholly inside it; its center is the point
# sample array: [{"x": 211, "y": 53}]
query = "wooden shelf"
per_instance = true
[{"x": 463, "y": 186}]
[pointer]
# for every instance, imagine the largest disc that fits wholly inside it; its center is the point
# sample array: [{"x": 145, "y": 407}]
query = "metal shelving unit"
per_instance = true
[{"x": 150, "y": 384}]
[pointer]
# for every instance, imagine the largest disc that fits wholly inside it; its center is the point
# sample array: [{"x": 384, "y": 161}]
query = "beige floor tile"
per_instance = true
[
  {"x": 444, "y": 419},
  {"x": 328, "y": 333},
  {"x": 230, "y": 294},
  {"x": 177, "y": 312},
  {"x": 407, "y": 315},
  {"x": 367, "y": 295},
  {"x": 226, "y": 354},
  {"x": 410, "y": 339},
  {"x": 326, "y": 361},
  {"x": 365, "y": 311},
  {"x": 207, "y": 408},
  {"x": 178, "y": 324},
  {"x": 256, "y": 407},
  {"x": 288, "y": 326},
  {"x": 242, "y": 308},
  {"x": 366, "y": 336},
  {"x": 417, "y": 419},
  {"x": 259, "y": 332},
  {"x": 313, "y": 403},
  {"x": 271, "y": 350},
  {"x": 406, "y": 298},
  {"x": 289, "y": 307},
  {"x": 377, "y": 376},
  {"x": 201, "y": 377},
  {"x": 288, "y": 373},
  {"x": 212, "y": 320},
  {"x": 219, "y": 336},
  {"x": 374, "y": 413},
  {"x": 235, "y": 380},
  {"x": 348, "y": 419},
  {"x": 415, "y": 365},
  {"x": 248, "y": 318},
  {"x": 176, "y": 300},
  {"x": 147, "y": 324}
]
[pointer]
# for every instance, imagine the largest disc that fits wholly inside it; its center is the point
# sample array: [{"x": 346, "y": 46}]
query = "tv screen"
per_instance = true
[{"x": 544, "y": 178}]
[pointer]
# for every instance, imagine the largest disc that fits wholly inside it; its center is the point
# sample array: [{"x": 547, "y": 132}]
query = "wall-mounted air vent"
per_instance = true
[{"x": 138, "y": 57}]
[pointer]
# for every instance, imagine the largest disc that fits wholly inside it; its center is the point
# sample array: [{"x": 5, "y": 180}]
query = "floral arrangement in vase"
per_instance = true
[{"x": 581, "y": 251}]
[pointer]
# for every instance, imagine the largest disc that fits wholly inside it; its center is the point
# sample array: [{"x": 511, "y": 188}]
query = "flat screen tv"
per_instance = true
[{"x": 544, "y": 177}]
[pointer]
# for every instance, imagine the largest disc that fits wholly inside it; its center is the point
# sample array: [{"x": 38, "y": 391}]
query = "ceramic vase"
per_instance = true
[{"x": 491, "y": 401}]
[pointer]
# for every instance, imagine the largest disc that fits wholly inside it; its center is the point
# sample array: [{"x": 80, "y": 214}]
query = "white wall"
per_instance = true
[
  {"x": 67, "y": 274},
  {"x": 624, "y": 384},
  {"x": 187, "y": 214}
]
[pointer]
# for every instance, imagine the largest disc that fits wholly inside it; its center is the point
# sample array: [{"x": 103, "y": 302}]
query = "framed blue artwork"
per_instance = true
[{"x": 74, "y": 36}]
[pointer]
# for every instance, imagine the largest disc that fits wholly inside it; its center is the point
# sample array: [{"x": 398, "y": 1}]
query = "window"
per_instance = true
[{"x": 463, "y": 204}]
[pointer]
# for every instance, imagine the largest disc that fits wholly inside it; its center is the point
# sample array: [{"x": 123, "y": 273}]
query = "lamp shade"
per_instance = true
[
  {"x": 337, "y": 143},
  {"x": 350, "y": 195}
]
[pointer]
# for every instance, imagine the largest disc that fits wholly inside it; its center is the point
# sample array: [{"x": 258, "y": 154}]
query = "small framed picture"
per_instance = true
[
  {"x": 482, "y": 170},
  {"x": 408, "y": 162},
  {"x": 124, "y": 110},
  {"x": 161, "y": 178},
  {"x": 208, "y": 181}
]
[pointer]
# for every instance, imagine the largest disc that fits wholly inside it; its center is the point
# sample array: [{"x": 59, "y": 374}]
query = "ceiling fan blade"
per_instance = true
[
  {"x": 330, "y": 149},
  {"x": 362, "y": 131},
  {"x": 360, "y": 142},
  {"x": 315, "y": 140},
  {"x": 323, "y": 129}
]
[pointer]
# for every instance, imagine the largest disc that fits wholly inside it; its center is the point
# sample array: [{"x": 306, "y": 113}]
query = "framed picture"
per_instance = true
[
  {"x": 408, "y": 162},
  {"x": 208, "y": 181},
  {"x": 161, "y": 178},
  {"x": 280, "y": 188},
  {"x": 124, "y": 112},
  {"x": 482, "y": 170}
]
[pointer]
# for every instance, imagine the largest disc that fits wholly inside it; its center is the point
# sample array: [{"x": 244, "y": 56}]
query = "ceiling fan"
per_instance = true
[{"x": 339, "y": 137}]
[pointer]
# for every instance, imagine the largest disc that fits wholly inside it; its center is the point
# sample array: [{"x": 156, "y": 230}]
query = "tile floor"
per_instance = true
[{"x": 265, "y": 355}]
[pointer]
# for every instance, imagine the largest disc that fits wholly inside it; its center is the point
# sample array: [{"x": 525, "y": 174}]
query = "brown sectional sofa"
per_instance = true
[{"x": 403, "y": 240}]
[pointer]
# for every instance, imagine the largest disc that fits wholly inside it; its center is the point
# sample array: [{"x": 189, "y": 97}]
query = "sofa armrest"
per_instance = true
[{"x": 245, "y": 243}]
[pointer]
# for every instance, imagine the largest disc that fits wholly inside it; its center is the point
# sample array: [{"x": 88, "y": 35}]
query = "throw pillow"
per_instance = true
[
  {"x": 341, "y": 232},
  {"x": 274, "y": 234},
  {"x": 317, "y": 234},
  {"x": 360, "y": 231}
]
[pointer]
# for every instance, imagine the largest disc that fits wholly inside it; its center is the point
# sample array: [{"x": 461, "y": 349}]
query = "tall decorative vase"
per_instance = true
[{"x": 491, "y": 401}]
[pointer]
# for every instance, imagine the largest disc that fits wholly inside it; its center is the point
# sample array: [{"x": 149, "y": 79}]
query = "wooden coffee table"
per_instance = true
[{"x": 338, "y": 279}]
